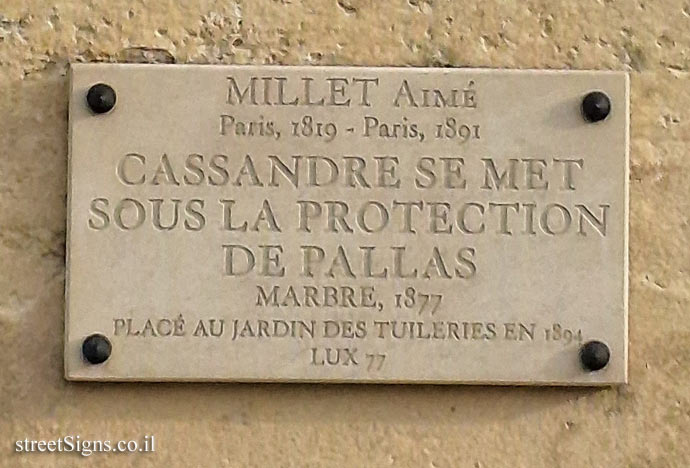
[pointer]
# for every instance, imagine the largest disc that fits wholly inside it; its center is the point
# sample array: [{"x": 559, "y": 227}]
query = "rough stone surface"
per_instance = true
[{"x": 644, "y": 424}]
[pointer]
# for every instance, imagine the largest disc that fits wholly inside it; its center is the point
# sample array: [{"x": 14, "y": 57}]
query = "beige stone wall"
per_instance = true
[{"x": 644, "y": 424}]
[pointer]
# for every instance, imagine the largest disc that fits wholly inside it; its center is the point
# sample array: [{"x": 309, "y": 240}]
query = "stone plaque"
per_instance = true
[{"x": 342, "y": 224}]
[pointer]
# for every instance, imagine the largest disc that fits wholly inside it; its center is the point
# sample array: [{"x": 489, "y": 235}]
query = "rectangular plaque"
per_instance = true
[{"x": 343, "y": 224}]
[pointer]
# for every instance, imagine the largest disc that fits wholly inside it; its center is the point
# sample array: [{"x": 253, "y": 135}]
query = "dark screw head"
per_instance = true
[
  {"x": 101, "y": 98},
  {"x": 594, "y": 355},
  {"x": 596, "y": 106},
  {"x": 96, "y": 349}
]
